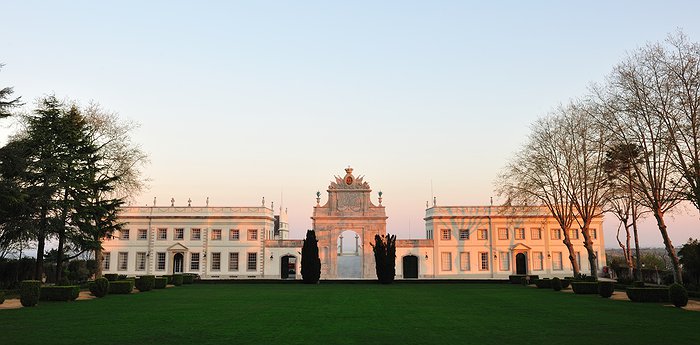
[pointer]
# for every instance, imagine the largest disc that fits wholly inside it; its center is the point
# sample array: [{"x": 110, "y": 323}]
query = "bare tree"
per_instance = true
[
  {"x": 537, "y": 174},
  {"x": 636, "y": 99},
  {"x": 583, "y": 149}
]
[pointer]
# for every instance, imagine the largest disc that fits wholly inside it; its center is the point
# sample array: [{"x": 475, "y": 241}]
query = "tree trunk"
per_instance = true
[
  {"x": 61, "y": 238},
  {"x": 41, "y": 241},
  {"x": 572, "y": 253},
  {"x": 677, "y": 274},
  {"x": 588, "y": 244},
  {"x": 98, "y": 257},
  {"x": 638, "y": 258}
]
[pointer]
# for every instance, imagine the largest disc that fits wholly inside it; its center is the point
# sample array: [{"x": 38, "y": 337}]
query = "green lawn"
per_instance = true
[{"x": 352, "y": 313}]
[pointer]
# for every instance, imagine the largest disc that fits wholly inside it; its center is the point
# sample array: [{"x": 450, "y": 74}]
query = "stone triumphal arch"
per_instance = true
[{"x": 348, "y": 208}]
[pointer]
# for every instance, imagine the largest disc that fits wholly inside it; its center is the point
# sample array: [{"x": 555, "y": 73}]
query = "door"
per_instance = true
[
  {"x": 178, "y": 263},
  {"x": 520, "y": 264},
  {"x": 410, "y": 267},
  {"x": 288, "y": 267}
]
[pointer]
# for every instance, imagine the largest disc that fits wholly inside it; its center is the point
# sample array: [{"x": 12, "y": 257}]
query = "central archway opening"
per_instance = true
[
  {"x": 178, "y": 263},
  {"x": 349, "y": 255},
  {"x": 520, "y": 264},
  {"x": 288, "y": 267}
]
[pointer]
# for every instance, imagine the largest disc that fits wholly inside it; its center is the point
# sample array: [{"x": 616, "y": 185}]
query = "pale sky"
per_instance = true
[{"x": 240, "y": 100}]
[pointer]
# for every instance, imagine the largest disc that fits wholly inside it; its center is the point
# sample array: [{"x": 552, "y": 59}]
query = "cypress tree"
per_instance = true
[
  {"x": 310, "y": 261},
  {"x": 384, "y": 248}
]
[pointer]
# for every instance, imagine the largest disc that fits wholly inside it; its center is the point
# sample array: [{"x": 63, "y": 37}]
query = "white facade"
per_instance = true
[{"x": 481, "y": 242}]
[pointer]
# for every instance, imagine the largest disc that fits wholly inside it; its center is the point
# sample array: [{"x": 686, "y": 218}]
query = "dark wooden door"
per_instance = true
[
  {"x": 520, "y": 264},
  {"x": 410, "y": 267}
]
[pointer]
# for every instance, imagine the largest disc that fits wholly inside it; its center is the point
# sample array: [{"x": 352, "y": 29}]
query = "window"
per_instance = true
[
  {"x": 464, "y": 264},
  {"x": 556, "y": 261},
  {"x": 252, "y": 235},
  {"x": 536, "y": 233},
  {"x": 124, "y": 235},
  {"x": 233, "y": 261},
  {"x": 194, "y": 261},
  {"x": 505, "y": 261},
  {"x": 123, "y": 261},
  {"x": 482, "y": 234},
  {"x": 483, "y": 261},
  {"x": 463, "y": 234},
  {"x": 573, "y": 234},
  {"x": 519, "y": 233},
  {"x": 215, "y": 261},
  {"x": 196, "y": 234},
  {"x": 578, "y": 260},
  {"x": 106, "y": 260},
  {"x": 160, "y": 261},
  {"x": 556, "y": 234},
  {"x": 252, "y": 261},
  {"x": 141, "y": 261},
  {"x": 503, "y": 233},
  {"x": 234, "y": 235},
  {"x": 446, "y": 261},
  {"x": 142, "y": 234},
  {"x": 538, "y": 261},
  {"x": 594, "y": 234},
  {"x": 216, "y": 234},
  {"x": 162, "y": 234},
  {"x": 445, "y": 234},
  {"x": 179, "y": 234}
]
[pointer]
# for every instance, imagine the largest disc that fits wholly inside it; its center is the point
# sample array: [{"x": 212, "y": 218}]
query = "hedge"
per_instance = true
[
  {"x": 29, "y": 291},
  {"x": 59, "y": 293},
  {"x": 177, "y": 279},
  {"x": 556, "y": 284},
  {"x": 606, "y": 289},
  {"x": 121, "y": 287},
  {"x": 160, "y": 282},
  {"x": 111, "y": 276},
  {"x": 545, "y": 283},
  {"x": 636, "y": 294},
  {"x": 2, "y": 297},
  {"x": 565, "y": 283},
  {"x": 99, "y": 287},
  {"x": 145, "y": 283},
  {"x": 188, "y": 279},
  {"x": 169, "y": 278},
  {"x": 585, "y": 288}
]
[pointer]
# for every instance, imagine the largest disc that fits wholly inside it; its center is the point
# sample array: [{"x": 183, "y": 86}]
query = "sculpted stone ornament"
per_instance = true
[{"x": 349, "y": 181}]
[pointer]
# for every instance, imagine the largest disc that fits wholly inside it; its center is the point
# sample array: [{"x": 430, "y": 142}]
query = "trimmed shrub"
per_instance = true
[
  {"x": 111, "y": 276},
  {"x": 188, "y": 279},
  {"x": 169, "y": 278},
  {"x": 59, "y": 293},
  {"x": 29, "y": 291},
  {"x": 121, "y": 277},
  {"x": 522, "y": 278},
  {"x": 584, "y": 288},
  {"x": 545, "y": 283},
  {"x": 177, "y": 279},
  {"x": 647, "y": 294},
  {"x": 145, "y": 283},
  {"x": 121, "y": 287},
  {"x": 565, "y": 283},
  {"x": 606, "y": 289},
  {"x": 678, "y": 295},
  {"x": 99, "y": 287},
  {"x": 556, "y": 284},
  {"x": 638, "y": 284},
  {"x": 2, "y": 297},
  {"x": 160, "y": 282}
]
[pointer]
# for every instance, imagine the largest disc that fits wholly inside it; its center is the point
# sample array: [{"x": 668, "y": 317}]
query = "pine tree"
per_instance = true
[
  {"x": 7, "y": 103},
  {"x": 310, "y": 261}
]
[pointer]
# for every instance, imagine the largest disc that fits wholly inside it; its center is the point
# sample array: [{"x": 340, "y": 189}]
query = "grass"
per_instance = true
[{"x": 348, "y": 314}]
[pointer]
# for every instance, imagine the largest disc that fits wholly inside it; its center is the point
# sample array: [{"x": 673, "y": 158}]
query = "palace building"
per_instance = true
[{"x": 461, "y": 242}]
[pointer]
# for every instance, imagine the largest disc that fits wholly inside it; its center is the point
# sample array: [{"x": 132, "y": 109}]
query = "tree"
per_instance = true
[
  {"x": 622, "y": 200},
  {"x": 690, "y": 259},
  {"x": 6, "y": 102},
  {"x": 384, "y": 248},
  {"x": 310, "y": 261},
  {"x": 537, "y": 175},
  {"x": 635, "y": 101}
]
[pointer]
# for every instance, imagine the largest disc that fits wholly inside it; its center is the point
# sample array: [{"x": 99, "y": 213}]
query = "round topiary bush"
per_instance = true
[
  {"x": 606, "y": 289},
  {"x": 160, "y": 282},
  {"x": 678, "y": 295},
  {"x": 29, "y": 292},
  {"x": 100, "y": 287},
  {"x": 556, "y": 284}
]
